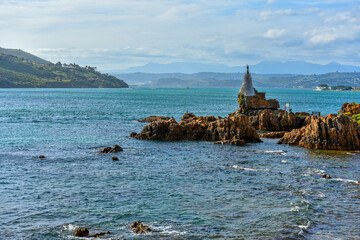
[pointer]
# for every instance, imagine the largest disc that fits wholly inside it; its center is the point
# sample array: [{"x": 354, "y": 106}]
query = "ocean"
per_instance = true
[{"x": 181, "y": 189}]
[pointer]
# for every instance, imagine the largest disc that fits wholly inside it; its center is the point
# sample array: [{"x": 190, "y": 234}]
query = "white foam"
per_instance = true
[
  {"x": 69, "y": 227},
  {"x": 345, "y": 180},
  {"x": 281, "y": 152},
  {"x": 294, "y": 209},
  {"x": 284, "y": 161},
  {"x": 168, "y": 230},
  {"x": 249, "y": 169},
  {"x": 305, "y": 227}
]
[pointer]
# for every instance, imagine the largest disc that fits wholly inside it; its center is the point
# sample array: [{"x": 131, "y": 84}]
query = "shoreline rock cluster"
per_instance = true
[{"x": 206, "y": 128}]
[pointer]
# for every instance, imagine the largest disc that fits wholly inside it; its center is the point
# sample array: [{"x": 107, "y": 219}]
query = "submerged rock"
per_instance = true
[
  {"x": 99, "y": 234},
  {"x": 114, "y": 149},
  {"x": 133, "y": 134},
  {"x": 153, "y": 119},
  {"x": 332, "y": 133},
  {"x": 273, "y": 134},
  {"x": 207, "y": 128},
  {"x": 41, "y": 156},
  {"x": 81, "y": 232},
  {"x": 326, "y": 176},
  {"x": 139, "y": 228},
  {"x": 115, "y": 159}
]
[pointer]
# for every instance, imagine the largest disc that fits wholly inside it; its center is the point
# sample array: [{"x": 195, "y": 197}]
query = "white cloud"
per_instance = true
[
  {"x": 274, "y": 33},
  {"x": 269, "y": 14}
]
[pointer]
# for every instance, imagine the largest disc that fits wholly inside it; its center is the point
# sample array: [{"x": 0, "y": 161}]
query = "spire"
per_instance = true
[{"x": 247, "y": 88}]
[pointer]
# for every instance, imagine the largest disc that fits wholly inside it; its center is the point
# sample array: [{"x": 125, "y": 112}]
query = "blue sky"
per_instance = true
[{"x": 116, "y": 34}]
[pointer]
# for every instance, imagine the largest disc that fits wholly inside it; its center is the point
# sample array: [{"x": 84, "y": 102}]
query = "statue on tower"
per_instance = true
[
  {"x": 250, "y": 99},
  {"x": 247, "y": 88}
]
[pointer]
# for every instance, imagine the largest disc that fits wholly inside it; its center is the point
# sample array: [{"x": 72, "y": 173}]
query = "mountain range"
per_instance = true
[{"x": 264, "y": 67}]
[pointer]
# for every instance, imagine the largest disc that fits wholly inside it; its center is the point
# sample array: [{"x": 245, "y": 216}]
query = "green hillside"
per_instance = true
[
  {"x": 21, "y": 54},
  {"x": 19, "y": 72}
]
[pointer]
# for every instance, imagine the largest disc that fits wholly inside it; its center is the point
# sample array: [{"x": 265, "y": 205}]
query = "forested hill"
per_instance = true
[
  {"x": 19, "y": 72},
  {"x": 22, "y": 54}
]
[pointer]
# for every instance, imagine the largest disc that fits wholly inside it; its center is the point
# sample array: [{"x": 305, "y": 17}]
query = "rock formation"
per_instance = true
[
  {"x": 114, "y": 149},
  {"x": 332, "y": 133},
  {"x": 139, "y": 228},
  {"x": 153, "y": 119},
  {"x": 247, "y": 88},
  {"x": 206, "y": 128},
  {"x": 273, "y": 120},
  {"x": 81, "y": 232},
  {"x": 273, "y": 134},
  {"x": 351, "y": 108}
]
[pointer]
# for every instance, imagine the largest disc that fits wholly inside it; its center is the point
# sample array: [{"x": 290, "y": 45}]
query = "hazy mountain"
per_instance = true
[
  {"x": 264, "y": 67},
  {"x": 22, "y": 54}
]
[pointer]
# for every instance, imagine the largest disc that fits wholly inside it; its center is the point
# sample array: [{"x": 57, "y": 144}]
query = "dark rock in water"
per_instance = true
[
  {"x": 329, "y": 133},
  {"x": 81, "y": 232},
  {"x": 273, "y": 134},
  {"x": 41, "y": 156},
  {"x": 236, "y": 142},
  {"x": 206, "y": 128},
  {"x": 139, "y": 228},
  {"x": 114, "y": 149},
  {"x": 326, "y": 176},
  {"x": 133, "y": 134},
  {"x": 99, "y": 234},
  {"x": 153, "y": 119},
  {"x": 115, "y": 159}
]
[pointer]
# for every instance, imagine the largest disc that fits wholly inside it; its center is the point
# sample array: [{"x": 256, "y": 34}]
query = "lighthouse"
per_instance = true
[{"x": 247, "y": 88}]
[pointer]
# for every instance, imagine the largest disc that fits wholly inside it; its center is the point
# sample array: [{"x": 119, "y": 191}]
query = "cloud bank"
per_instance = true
[{"x": 114, "y": 34}]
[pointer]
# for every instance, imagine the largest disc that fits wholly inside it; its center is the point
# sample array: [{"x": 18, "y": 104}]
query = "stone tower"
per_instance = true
[{"x": 247, "y": 88}]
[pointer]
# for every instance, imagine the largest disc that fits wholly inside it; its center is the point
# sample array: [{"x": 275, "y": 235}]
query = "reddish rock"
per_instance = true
[
  {"x": 154, "y": 118},
  {"x": 256, "y": 102},
  {"x": 273, "y": 134},
  {"x": 207, "y": 128},
  {"x": 352, "y": 108},
  {"x": 332, "y": 133},
  {"x": 302, "y": 114}
]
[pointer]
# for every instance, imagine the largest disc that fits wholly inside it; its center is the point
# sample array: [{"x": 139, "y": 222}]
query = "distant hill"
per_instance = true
[
  {"x": 22, "y": 54},
  {"x": 222, "y": 80},
  {"x": 21, "y": 72},
  {"x": 264, "y": 67}
]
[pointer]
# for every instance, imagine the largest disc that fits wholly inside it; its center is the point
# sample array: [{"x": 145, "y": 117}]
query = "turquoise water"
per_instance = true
[{"x": 183, "y": 190}]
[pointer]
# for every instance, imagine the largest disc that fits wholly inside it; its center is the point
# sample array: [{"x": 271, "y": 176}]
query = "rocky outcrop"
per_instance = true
[
  {"x": 153, "y": 119},
  {"x": 139, "y": 228},
  {"x": 350, "y": 108},
  {"x": 332, "y": 133},
  {"x": 114, "y": 149},
  {"x": 273, "y": 120},
  {"x": 206, "y": 128},
  {"x": 273, "y": 134},
  {"x": 256, "y": 102}
]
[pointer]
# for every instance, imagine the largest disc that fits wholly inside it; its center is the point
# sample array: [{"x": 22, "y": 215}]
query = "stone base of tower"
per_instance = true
[{"x": 256, "y": 102}]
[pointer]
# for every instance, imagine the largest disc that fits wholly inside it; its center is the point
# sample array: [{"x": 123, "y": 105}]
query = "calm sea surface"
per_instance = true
[{"x": 183, "y": 190}]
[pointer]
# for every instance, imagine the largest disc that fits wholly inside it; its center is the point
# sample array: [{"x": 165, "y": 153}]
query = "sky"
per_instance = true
[{"x": 117, "y": 34}]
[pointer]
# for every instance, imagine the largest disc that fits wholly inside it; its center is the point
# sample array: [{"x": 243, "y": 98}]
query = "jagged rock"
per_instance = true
[
  {"x": 133, "y": 134},
  {"x": 81, "y": 232},
  {"x": 273, "y": 134},
  {"x": 206, "y": 128},
  {"x": 236, "y": 142},
  {"x": 256, "y": 102},
  {"x": 115, "y": 159},
  {"x": 98, "y": 234},
  {"x": 114, "y": 149},
  {"x": 352, "y": 108},
  {"x": 302, "y": 114},
  {"x": 273, "y": 120},
  {"x": 41, "y": 156},
  {"x": 153, "y": 119},
  {"x": 332, "y": 133},
  {"x": 139, "y": 228}
]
